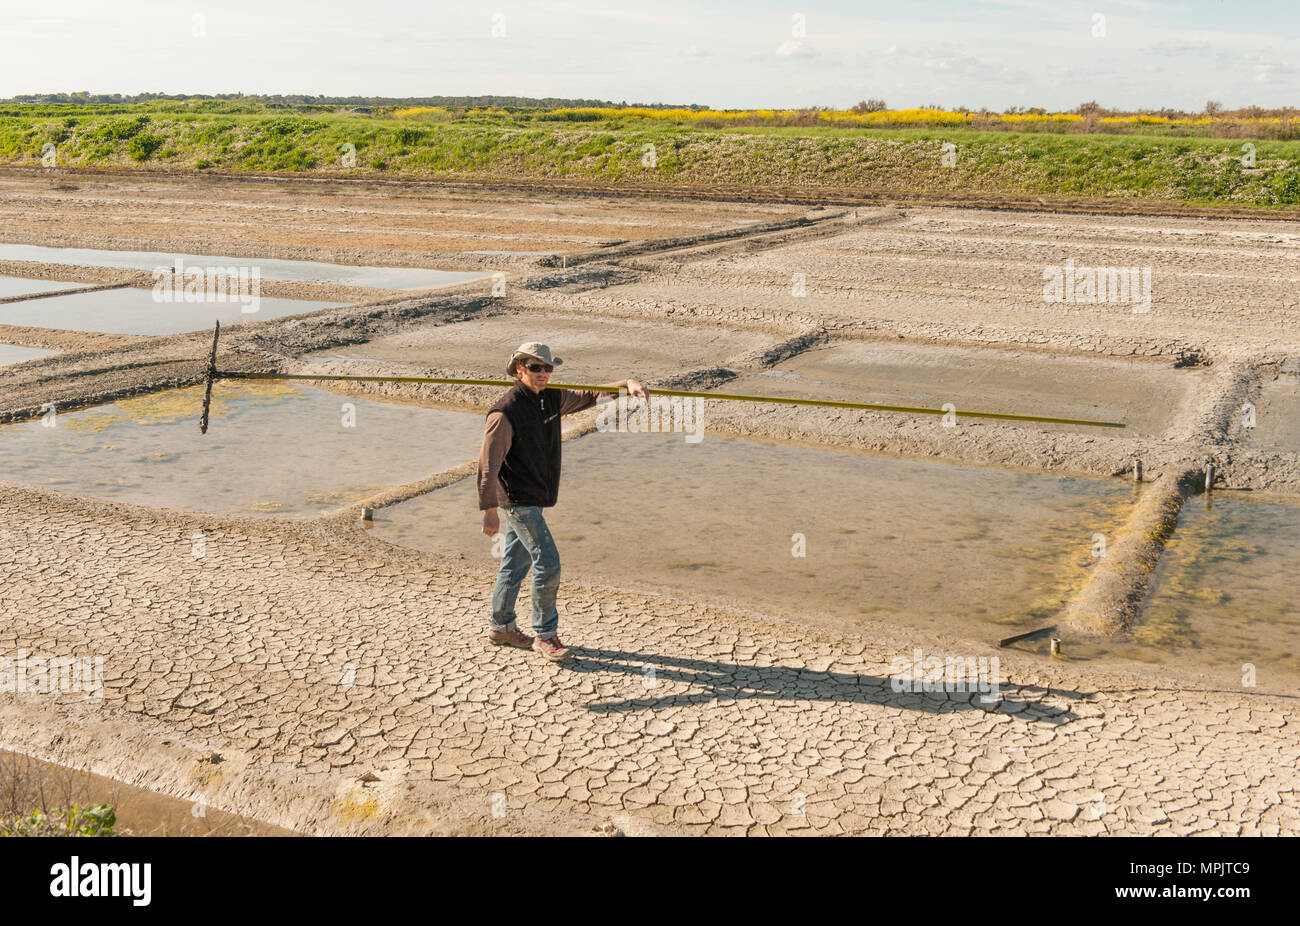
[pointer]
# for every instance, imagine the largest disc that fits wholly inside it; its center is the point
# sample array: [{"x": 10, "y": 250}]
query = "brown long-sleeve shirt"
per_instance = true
[{"x": 496, "y": 442}]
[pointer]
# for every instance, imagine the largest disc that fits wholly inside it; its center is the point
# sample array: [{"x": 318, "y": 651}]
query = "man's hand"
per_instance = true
[
  {"x": 637, "y": 390},
  {"x": 491, "y": 523},
  {"x": 634, "y": 389}
]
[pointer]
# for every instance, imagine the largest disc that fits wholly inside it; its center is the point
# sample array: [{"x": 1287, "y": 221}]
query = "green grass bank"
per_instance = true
[{"x": 593, "y": 146}]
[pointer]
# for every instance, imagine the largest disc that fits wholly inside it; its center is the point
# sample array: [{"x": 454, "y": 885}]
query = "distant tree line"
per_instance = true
[{"x": 300, "y": 99}]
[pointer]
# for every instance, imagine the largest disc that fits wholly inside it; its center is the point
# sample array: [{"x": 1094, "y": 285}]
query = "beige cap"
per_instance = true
[{"x": 532, "y": 351}]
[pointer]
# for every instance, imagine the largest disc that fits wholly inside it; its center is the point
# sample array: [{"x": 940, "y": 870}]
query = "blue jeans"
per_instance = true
[{"x": 528, "y": 544}]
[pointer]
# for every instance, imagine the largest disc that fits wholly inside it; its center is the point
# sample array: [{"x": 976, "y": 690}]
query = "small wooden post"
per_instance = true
[
  {"x": 368, "y": 515},
  {"x": 1209, "y": 476},
  {"x": 212, "y": 374},
  {"x": 1137, "y": 470},
  {"x": 1056, "y": 647}
]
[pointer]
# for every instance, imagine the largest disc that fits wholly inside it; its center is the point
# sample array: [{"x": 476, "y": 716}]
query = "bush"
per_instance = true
[
  {"x": 1286, "y": 186},
  {"x": 571, "y": 115},
  {"x": 214, "y": 133},
  {"x": 96, "y": 820},
  {"x": 143, "y": 146},
  {"x": 279, "y": 128},
  {"x": 123, "y": 128}
]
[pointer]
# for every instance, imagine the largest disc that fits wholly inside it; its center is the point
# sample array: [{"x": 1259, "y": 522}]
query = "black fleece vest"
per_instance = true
[{"x": 530, "y": 472}]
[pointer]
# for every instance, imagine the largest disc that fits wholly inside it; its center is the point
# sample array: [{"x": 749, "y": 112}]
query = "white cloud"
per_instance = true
[
  {"x": 972, "y": 68},
  {"x": 792, "y": 49},
  {"x": 595, "y": 9},
  {"x": 1264, "y": 73},
  {"x": 1178, "y": 47}
]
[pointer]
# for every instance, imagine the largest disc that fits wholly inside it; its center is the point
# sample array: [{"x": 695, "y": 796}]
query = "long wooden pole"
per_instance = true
[{"x": 214, "y": 374}]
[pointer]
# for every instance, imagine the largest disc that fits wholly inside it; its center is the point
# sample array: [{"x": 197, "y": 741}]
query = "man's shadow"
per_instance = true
[{"x": 725, "y": 681}]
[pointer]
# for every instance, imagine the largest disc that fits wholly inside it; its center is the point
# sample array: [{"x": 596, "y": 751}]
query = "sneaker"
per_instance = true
[
  {"x": 551, "y": 648},
  {"x": 511, "y": 637}
]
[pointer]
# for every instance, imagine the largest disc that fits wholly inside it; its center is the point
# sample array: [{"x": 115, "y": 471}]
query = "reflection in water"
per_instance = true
[
  {"x": 980, "y": 552},
  {"x": 272, "y": 448}
]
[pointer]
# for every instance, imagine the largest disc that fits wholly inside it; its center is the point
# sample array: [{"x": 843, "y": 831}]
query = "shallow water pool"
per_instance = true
[
  {"x": 594, "y": 350},
  {"x": 135, "y": 311},
  {"x": 1225, "y": 594},
  {"x": 1275, "y": 425},
  {"x": 978, "y": 551},
  {"x": 271, "y": 448},
  {"x": 271, "y": 269},
  {"x": 22, "y": 286},
  {"x": 12, "y": 353},
  {"x": 1145, "y": 397}
]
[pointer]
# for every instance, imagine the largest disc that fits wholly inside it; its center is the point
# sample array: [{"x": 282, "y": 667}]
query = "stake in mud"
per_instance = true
[{"x": 215, "y": 374}]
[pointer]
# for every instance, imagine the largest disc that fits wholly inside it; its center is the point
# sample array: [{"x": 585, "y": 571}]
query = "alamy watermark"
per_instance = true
[
  {"x": 954, "y": 674},
  {"x": 180, "y": 283},
  {"x": 1124, "y": 285},
  {"x": 76, "y": 878},
  {"x": 53, "y": 675},
  {"x": 661, "y": 414}
]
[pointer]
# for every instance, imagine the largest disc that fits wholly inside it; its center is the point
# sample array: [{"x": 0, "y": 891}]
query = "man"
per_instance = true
[{"x": 519, "y": 473}]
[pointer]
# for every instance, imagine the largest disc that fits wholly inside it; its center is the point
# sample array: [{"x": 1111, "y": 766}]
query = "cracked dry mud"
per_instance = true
[
  {"x": 300, "y": 659},
  {"x": 311, "y": 676}
]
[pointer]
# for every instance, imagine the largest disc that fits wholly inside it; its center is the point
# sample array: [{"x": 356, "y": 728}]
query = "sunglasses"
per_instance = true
[{"x": 539, "y": 367}]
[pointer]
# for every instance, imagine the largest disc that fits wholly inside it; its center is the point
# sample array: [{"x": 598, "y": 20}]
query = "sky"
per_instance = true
[{"x": 1125, "y": 54}]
